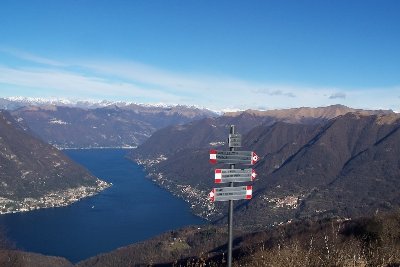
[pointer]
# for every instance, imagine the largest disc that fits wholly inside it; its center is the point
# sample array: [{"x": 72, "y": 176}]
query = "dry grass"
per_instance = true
[
  {"x": 378, "y": 246},
  {"x": 366, "y": 242}
]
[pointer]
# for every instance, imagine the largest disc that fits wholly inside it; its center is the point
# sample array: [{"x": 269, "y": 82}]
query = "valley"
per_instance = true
[{"x": 332, "y": 164}]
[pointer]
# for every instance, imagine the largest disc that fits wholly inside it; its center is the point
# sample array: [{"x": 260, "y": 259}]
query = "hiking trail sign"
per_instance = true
[
  {"x": 233, "y": 157},
  {"x": 231, "y": 193},
  {"x": 235, "y": 140},
  {"x": 232, "y": 176}
]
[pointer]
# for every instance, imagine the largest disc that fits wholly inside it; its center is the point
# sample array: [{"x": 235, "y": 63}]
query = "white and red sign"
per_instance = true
[
  {"x": 233, "y": 157},
  {"x": 231, "y": 193},
  {"x": 234, "y": 175}
]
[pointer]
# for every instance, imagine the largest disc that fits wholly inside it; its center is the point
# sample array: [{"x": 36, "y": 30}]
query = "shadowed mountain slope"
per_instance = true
[
  {"x": 212, "y": 132},
  {"x": 350, "y": 167},
  {"x": 347, "y": 166},
  {"x": 31, "y": 169},
  {"x": 111, "y": 126},
  {"x": 365, "y": 241},
  {"x": 14, "y": 258}
]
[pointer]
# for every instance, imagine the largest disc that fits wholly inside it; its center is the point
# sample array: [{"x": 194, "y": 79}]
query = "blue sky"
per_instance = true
[{"x": 216, "y": 54}]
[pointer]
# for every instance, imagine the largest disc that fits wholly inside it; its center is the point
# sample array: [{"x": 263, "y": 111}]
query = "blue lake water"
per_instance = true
[{"x": 133, "y": 209}]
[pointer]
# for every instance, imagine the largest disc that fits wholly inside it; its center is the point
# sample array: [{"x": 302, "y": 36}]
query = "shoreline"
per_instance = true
[
  {"x": 197, "y": 199},
  {"x": 54, "y": 199}
]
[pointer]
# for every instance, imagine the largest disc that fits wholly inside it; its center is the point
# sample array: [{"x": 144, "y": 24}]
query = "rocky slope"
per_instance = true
[{"x": 35, "y": 175}]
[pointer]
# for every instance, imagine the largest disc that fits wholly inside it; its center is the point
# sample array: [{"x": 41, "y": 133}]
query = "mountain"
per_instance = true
[
  {"x": 208, "y": 132},
  {"x": 212, "y": 132},
  {"x": 35, "y": 175},
  {"x": 309, "y": 115},
  {"x": 85, "y": 124},
  {"x": 12, "y": 103},
  {"x": 347, "y": 166},
  {"x": 13, "y": 258},
  {"x": 111, "y": 126},
  {"x": 7, "y": 104},
  {"x": 365, "y": 241},
  {"x": 164, "y": 249}
]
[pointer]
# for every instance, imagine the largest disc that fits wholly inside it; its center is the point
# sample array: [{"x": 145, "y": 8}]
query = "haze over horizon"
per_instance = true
[{"x": 219, "y": 55}]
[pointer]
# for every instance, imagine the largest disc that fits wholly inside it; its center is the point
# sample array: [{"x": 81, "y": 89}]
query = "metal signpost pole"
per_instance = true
[
  {"x": 232, "y": 176},
  {"x": 230, "y": 212}
]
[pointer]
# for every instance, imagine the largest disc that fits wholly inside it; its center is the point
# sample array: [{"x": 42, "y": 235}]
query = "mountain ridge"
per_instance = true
[
  {"x": 37, "y": 175},
  {"x": 244, "y": 121},
  {"x": 298, "y": 166},
  {"x": 327, "y": 112},
  {"x": 12, "y": 103},
  {"x": 84, "y": 124},
  {"x": 111, "y": 126}
]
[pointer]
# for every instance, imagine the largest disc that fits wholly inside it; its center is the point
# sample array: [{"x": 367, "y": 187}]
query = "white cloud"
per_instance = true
[
  {"x": 337, "y": 95},
  {"x": 133, "y": 81},
  {"x": 274, "y": 92},
  {"x": 31, "y": 57},
  {"x": 60, "y": 82}
]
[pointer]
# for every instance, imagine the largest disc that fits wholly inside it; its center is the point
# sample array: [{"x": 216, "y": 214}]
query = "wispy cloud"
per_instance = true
[
  {"x": 134, "y": 81},
  {"x": 59, "y": 82},
  {"x": 337, "y": 95},
  {"x": 31, "y": 57},
  {"x": 274, "y": 92}
]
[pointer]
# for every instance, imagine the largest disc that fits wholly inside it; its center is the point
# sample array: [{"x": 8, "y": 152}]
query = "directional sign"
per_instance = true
[
  {"x": 231, "y": 193},
  {"x": 233, "y": 157},
  {"x": 234, "y": 175},
  {"x": 235, "y": 140}
]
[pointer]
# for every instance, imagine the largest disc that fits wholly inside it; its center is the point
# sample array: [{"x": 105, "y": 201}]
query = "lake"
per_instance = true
[{"x": 132, "y": 210}]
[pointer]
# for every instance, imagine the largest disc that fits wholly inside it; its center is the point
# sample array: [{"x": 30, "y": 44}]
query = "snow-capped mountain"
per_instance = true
[
  {"x": 88, "y": 124},
  {"x": 12, "y": 103}
]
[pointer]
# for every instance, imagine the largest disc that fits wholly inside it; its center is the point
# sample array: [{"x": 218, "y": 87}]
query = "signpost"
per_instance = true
[
  {"x": 233, "y": 157},
  {"x": 234, "y": 175},
  {"x": 231, "y": 193},
  {"x": 235, "y": 140},
  {"x": 231, "y": 176}
]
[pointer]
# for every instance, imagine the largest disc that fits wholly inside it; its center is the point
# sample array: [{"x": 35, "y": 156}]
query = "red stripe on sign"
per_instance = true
[
  {"x": 218, "y": 176},
  {"x": 249, "y": 192},
  {"x": 212, "y": 195},
  {"x": 213, "y": 156},
  {"x": 253, "y": 175},
  {"x": 254, "y": 158}
]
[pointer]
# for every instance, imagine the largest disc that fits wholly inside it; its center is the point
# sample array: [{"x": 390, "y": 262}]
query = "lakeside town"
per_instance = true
[
  {"x": 51, "y": 200},
  {"x": 198, "y": 199}
]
